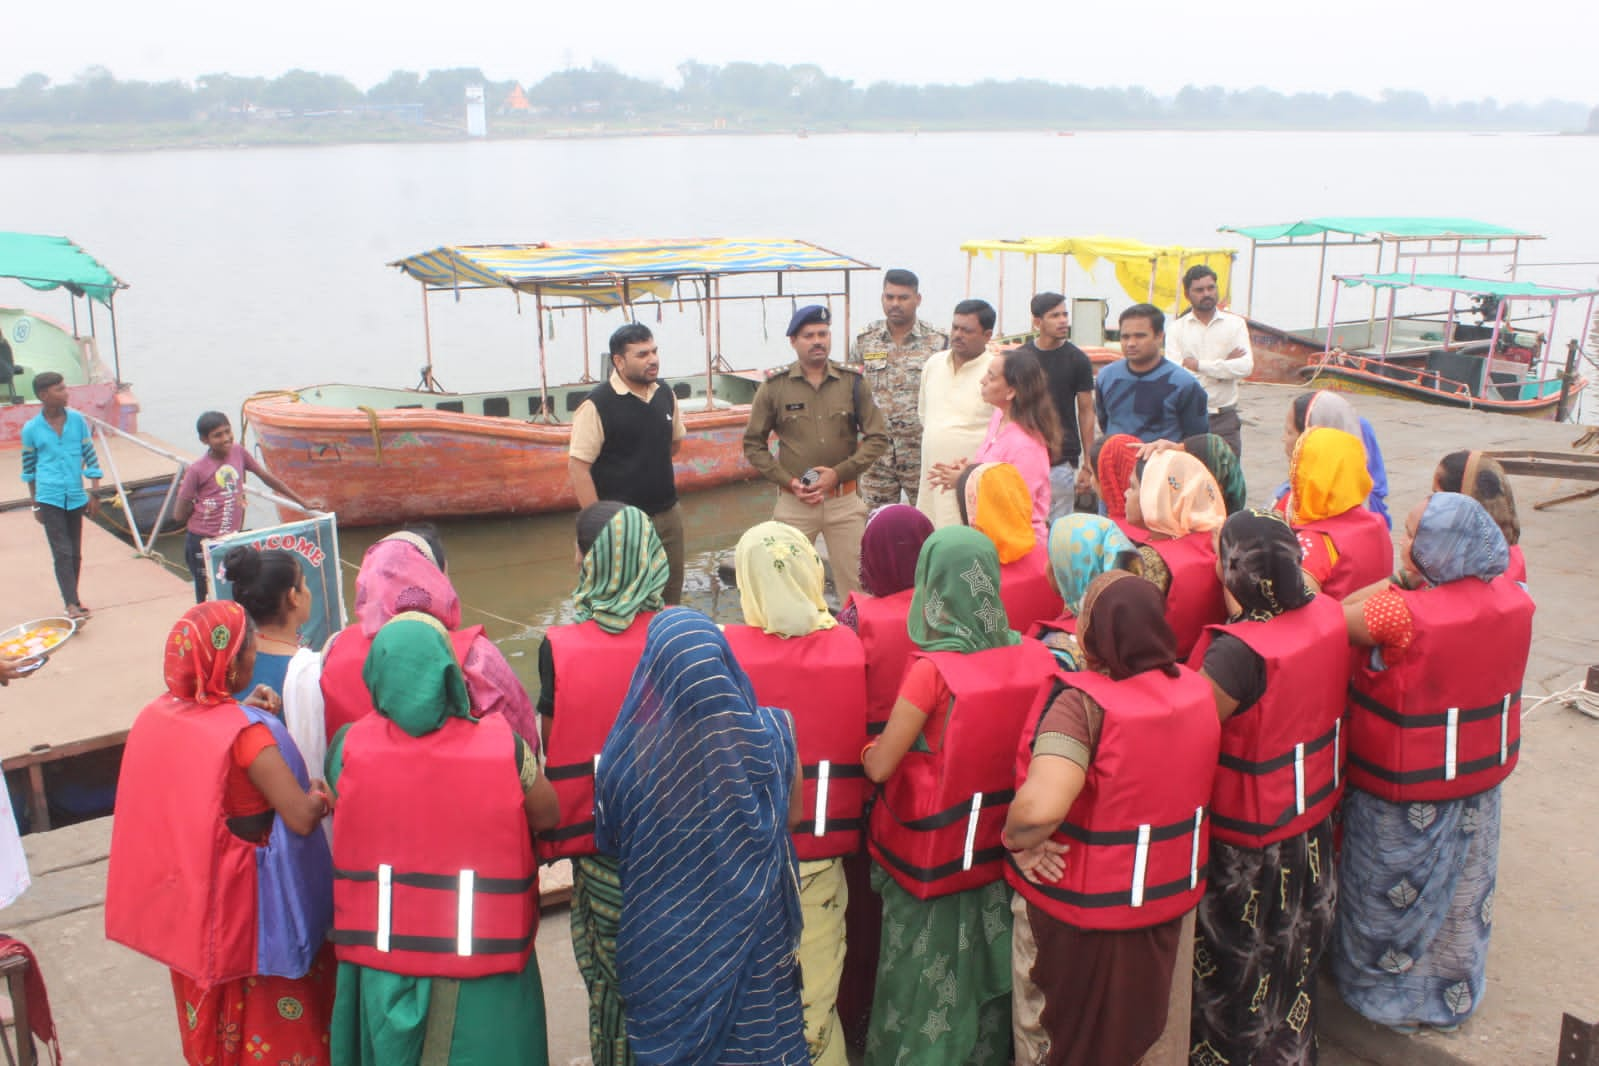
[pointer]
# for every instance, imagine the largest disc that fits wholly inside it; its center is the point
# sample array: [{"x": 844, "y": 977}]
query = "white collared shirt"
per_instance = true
[{"x": 1211, "y": 344}]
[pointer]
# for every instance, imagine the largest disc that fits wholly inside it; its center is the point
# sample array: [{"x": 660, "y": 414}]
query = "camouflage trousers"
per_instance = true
[{"x": 900, "y": 468}]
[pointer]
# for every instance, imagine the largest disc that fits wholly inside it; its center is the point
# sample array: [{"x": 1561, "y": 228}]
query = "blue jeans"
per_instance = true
[{"x": 1062, "y": 490}]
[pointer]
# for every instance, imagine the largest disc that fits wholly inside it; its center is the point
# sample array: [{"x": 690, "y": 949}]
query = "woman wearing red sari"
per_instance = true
[{"x": 216, "y": 867}]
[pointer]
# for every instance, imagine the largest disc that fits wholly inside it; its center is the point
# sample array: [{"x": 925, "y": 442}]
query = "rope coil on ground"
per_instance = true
[{"x": 1578, "y": 697}]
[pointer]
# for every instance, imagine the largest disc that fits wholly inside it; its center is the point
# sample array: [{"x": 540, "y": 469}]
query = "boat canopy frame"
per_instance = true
[
  {"x": 585, "y": 276},
  {"x": 44, "y": 262},
  {"x": 1458, "y": 285},
  {"x": 1439, "y": 237},
  {"x": 1123, "y": 252}
]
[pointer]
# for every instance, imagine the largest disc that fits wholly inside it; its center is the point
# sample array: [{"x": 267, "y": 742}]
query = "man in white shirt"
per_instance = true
[
  {"x": 1214, "y": 345},
  {"x": 950, "y": 405}
]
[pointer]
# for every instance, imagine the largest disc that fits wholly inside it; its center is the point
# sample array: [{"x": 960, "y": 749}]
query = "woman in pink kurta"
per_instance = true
[{"x": 1024, "y": 431}]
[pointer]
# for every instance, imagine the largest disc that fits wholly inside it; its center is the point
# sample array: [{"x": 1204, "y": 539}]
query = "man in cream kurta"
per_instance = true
[{"x": 952, "y": 412}]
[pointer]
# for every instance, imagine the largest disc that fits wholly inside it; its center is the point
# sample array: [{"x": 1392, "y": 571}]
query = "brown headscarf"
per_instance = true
[
  {"x": 1479, "y": 475},
  {"x": 1123, "y": 630}
]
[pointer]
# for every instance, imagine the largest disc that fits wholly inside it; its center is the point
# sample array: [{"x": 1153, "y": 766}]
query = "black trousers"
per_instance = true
[
  {"x": 63, "y": 529},
  {"x": 1226, "y": 424},
  {"x": 194, "y": 555}
]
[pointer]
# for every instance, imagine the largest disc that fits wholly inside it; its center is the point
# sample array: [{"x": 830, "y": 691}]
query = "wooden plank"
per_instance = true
[
  {"x": 93, "y": 687},
  {"x": 1570, "y": 466}
]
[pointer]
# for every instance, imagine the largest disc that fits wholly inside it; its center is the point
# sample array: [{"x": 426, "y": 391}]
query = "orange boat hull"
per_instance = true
[{"x": 394, "y": 466}]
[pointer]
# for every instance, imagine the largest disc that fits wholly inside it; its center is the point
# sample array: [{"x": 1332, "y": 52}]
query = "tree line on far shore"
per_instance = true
[{"x": 753, "y": 94}]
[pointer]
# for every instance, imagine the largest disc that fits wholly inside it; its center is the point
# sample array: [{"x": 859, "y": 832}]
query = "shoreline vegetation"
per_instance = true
[
  {"x": 42, "y": 139},
  {"x": 96, "y": 112}
]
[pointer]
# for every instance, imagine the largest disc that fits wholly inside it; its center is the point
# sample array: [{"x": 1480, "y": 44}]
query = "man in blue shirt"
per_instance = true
[
  {"x": 1144, "y": 394},
  {"x": 57, "y": 452}
]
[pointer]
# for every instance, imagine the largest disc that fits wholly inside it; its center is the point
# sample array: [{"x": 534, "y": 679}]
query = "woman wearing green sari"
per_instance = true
[
  {"x": 944, "y": 973},
  {"x": 393, "y": 773},
  {"x": 623, "y": 576}
]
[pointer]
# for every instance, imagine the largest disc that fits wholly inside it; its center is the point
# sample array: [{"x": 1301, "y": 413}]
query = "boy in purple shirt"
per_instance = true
[{"x": 211, "y": 496}]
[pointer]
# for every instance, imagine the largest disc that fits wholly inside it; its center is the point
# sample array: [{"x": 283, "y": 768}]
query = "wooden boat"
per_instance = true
[
  {"x": 375, "y": 456},
  {"x": 35, "y": 343},
  {"x": 1510, "y": 372},
  {"x": 388, "y": 455},
  {"x": 1283, "y": 353}
]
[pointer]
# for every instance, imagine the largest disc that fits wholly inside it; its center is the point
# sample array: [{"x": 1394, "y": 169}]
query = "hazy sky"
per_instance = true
[{"x": 1465, "y": 49}]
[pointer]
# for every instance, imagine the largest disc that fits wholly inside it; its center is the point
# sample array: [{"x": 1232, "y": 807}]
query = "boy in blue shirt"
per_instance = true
[{"x": 57, "y": 453}]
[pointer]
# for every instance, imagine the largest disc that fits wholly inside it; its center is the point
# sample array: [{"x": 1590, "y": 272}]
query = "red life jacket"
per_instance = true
[
  {"x": 433, "y": 873},
  {"x": 1281, "y": 766},
  {"x": 593, "y": 670},
  {"x": 935, "y": 826},
  {"x": 1136, "y": 534},
  {"x": 1517, "y": 570},
  {"x": 1138, "y": 837},
  {"x": 1444, "y": 722},
  {"x": 345, "y": 698},
  {"x": 1364, "y": 546},
  {"x": 1028, "y": 591},
  {"x": 881, "y": 623},
  {"x": 820, "y": 679},
  {"x": 1066, "y": 623},
  {"x": 1194, "y": 598},
  {"x": 180, "y": 887}
]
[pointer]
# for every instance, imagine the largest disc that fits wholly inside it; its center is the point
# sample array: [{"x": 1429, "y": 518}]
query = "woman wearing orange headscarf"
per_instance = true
[
  {"x": 995, "y": 501},
  {"x": 1346, "y": 546},
  {"x": 1173, "y": 507}
]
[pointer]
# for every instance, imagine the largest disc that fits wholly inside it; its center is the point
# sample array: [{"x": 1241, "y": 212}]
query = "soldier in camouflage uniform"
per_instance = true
[{"x": 891, "y": 352}]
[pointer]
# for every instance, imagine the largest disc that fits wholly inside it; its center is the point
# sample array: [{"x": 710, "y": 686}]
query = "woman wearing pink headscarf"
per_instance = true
[{"x": 405, "y": 572}]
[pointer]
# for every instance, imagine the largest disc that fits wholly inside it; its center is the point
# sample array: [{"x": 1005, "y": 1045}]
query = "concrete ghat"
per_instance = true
[{"x": 115, "y": 1006}]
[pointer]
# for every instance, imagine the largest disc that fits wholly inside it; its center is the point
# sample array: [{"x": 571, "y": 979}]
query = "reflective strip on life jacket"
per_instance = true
[
  {"x": 1452, "y": 718},
  {"x": 1137, "y": 893},
  {"x": 971, "y": 855},
  {"x": 466, "y": 885},
  {"x": 1302, "y": 801}
]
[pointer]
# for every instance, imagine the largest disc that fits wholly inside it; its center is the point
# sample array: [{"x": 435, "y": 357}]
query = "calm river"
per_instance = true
[{"x": 265, "y": 268}]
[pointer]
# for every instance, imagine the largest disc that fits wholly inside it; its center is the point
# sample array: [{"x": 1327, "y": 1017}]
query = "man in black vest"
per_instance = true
[{"x": 623, "y": 439}]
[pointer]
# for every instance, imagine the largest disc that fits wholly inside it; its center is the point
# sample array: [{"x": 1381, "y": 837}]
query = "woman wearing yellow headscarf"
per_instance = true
[
  {"x": 800, "y": 659},
  {"x": 1346, "y": 546},
  {"x": 995, "y": 501}
]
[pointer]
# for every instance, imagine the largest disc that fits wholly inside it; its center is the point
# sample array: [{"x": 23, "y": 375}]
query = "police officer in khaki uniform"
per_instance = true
[
  {"x": 829, "y": 431},
  {"x": 891, "y": 352}
]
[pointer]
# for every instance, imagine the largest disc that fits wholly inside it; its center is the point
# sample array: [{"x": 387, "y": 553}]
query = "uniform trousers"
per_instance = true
[{"x": 842, "y": 520}]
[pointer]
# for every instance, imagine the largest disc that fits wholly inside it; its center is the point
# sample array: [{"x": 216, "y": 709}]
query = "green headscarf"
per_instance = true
[
  {"x": 412, "y": 674},
  {"x": 956, "y": 606},
  {"x": 624, "y": 572},
  {"x": 1223, "y": 464}
]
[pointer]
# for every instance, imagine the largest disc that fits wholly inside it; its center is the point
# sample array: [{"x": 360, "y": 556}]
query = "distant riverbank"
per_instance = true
[{"x": 25, "y": 138}]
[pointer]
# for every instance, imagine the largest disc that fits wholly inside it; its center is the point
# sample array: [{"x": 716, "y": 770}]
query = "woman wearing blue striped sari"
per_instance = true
[{"x": 694, "y": 796}]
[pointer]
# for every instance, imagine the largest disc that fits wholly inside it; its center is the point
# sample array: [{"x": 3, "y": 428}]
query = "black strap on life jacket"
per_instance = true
[
  {"x": 941, "y": 820},
  {"x": 439, "y": 945},
  {"x": 1266, "y": 766},
  {"x": 1411, "y": 720},
  {"x": 1122, "y": 898}
]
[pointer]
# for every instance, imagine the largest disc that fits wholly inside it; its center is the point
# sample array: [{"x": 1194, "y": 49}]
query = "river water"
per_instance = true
[{"x": 265, "y": 268}]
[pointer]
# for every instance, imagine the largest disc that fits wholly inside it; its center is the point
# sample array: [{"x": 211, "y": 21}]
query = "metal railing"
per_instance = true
[{"x": 103, "y": 431}]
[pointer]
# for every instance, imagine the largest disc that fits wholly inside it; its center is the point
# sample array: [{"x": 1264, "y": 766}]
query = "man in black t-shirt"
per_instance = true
[{"x": 1071, "y": 386}]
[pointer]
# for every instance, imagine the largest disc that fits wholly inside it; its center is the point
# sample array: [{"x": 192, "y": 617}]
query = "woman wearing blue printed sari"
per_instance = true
[
  {"x": 1421, "y": 848},
  {"x": 694, "y": 796}
]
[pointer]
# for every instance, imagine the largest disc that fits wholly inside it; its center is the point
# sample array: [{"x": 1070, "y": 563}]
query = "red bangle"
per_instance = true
[{"x": 870, "y": 744}]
